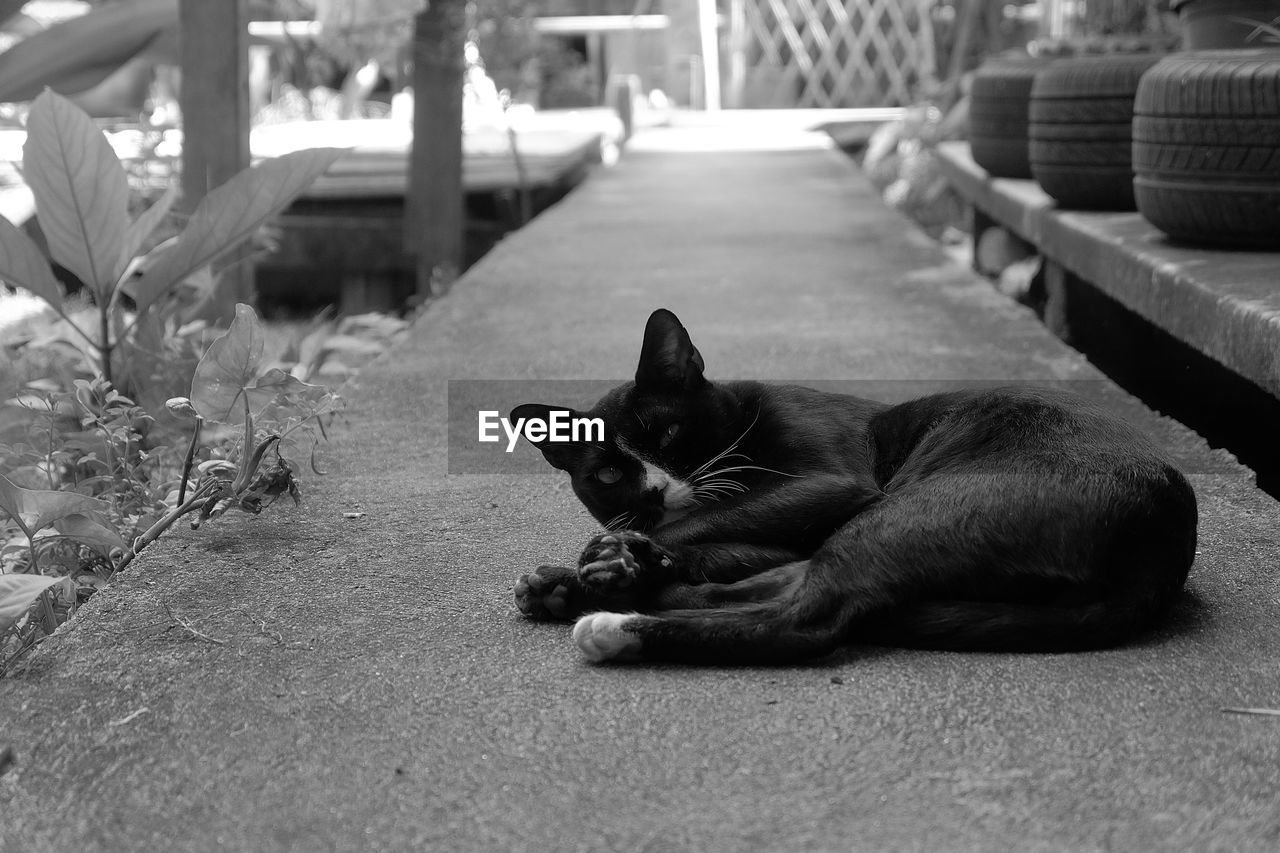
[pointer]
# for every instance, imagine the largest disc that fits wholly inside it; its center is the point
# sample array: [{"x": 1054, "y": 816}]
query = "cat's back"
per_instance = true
[
  {"x": 808, "y": 429},
  {"x": 1016, "y": 428}
]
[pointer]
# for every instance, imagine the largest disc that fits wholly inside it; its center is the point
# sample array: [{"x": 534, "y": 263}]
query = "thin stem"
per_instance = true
[
  {"x": 153, "y": 532},
  {"x": 48, "y": 459},
  {"x": 31, "y": 546},
  {"x": 24, "y": 646},
  {"x": 104, "y": 349},
  {"x": 191, "y": 455},
  {"x": 47, "y": 615},
  {"x": 114, "y": 464},
  {"x": 81, "y": 332}
]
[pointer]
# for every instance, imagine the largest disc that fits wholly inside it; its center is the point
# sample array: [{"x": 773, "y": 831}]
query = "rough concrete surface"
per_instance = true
[{"x": 372, "y": 687}]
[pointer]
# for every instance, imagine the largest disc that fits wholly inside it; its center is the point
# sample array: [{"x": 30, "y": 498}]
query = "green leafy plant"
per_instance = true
[
  {"x": 87, "y": 485},
  {"x": 256, "y": 417},
  {"x": 271, "y": 408},
  {"x": 82, "y": 200},
  {"x": 45, "y": 517},
  {"x": 1263, "y": 31},
  {"x": 79, "y": 53}
]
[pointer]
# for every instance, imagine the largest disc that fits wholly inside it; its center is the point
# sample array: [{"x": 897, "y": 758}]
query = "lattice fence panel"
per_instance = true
[{"x": 833, "y": 53}]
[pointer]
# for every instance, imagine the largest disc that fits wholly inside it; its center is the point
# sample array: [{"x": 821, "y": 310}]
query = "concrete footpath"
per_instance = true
[{"x": 367, "y": 684}]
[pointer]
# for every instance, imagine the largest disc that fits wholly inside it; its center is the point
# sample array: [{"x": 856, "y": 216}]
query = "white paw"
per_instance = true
[{"x": 601, "y": 636}]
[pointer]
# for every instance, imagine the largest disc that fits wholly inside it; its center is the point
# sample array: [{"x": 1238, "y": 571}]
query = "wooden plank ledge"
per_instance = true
[
  {"x": 377, "y": 163},
  {"x": 1223, "y": 303}
]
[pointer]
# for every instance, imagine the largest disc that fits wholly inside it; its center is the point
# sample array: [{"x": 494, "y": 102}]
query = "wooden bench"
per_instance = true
[{"x": 1224, "y": 304}]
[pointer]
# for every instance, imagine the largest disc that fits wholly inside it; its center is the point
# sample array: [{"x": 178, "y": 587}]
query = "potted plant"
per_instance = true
[{"x": 1223, "y": 24}]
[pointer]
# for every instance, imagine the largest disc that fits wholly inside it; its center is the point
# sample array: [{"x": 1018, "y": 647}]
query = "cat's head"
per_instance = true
[{"x": 660, "y": 432}]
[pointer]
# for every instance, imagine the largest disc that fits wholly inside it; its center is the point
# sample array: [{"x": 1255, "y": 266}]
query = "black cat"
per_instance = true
[{"x": 753, "y": 523}]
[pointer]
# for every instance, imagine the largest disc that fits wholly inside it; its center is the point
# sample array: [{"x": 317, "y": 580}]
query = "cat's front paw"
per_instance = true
[
  {"x": 619, "y": 560},
  {"x": 549, "y": 592}
]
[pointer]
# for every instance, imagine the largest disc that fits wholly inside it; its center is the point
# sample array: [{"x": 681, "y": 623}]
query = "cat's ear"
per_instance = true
[
  {"x": 561, "y": 454},
  {"x": 668, "y": 359}
]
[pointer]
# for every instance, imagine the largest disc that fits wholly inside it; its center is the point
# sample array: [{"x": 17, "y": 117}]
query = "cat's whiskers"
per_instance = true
[
  {"x": 752, "y": 468},
  {"x": 715, "y": 484},
  {"x": 724, "y": 454},
  {"x": 725, "y": 484},
  {"x": 716, "y": 489},
  {"x": 621, "y": 521}
]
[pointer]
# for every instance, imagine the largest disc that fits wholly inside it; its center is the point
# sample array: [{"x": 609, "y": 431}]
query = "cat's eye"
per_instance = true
[
  {"x": 667, "y": 436},
  {"x": 609, "y": 475}
]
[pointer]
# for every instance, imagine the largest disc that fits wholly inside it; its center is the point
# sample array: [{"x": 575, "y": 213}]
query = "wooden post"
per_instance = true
[
  {"x": 737, "y": 53},
  {"x": 623, "y": 97},
  {"x": 960, "y": 49},
  {"x": 215, "y": 114},
  {"x": 434, "y": 203},
  {"x": 683, "y": 47},
  {"x": 1057, "y": 285},
  {"x": 708, "y": 29}
]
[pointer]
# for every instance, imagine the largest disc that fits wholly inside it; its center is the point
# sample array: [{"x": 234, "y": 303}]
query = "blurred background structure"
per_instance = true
[{"x": 547, "y": 89}]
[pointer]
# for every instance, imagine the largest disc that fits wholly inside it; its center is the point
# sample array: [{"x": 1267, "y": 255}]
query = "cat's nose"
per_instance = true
[{"x": 655, "y": 497}]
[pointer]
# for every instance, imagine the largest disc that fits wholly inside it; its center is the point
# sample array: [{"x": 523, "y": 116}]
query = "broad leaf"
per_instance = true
[
  {"x": 77, "y": 54},
  {"x": 139, "y": 229},
  {"x": 22, "y": 264},
  {"x": 82, "y": 197},
  {"x": 276, "y": 397},
  {"x": 227, "y": 368},
  {"x": 230, "y": 214},
  {"x": 90, "y": 532},
  {"x": 17, "y": 594},
  {"x": 35, "y": 509}
]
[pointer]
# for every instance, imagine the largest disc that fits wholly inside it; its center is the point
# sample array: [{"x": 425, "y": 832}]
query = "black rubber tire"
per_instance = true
[
  {"x": 1205, "y": 147},
  {"x": 1080, "y": 129},
  {"x": 1007, "y": 78},
  {"x": 1233, "y": 163},
  {"x": 1083, "y": 155},
  {"x": 1115, "y": 132},
  {"x": 1207, "y": 131},
  {"x": 1107, "y": 110},
  {"x": 1090, "y": 78},
  {"x": 998, "y": 115},
  {"x": 1210, "y": 214},
  {"x": 1001, "y": 154},
  {"x": 1212, "y": 83},
  {"x": 1113, "y": 184}
]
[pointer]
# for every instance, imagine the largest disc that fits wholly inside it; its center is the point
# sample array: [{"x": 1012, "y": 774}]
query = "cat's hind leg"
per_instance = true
[
  {"x": 606, "y": 636},
  {"x": 764, "y": 586},
  {"x": 765, "y": 619},
  {"x": 932, "y": 567}
]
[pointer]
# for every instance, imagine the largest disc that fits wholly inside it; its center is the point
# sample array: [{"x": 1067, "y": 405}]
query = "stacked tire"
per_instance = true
[
  {"x": 1206, "y": 147},
  {"x": 1080, "y": 129},
  {"x": 998, "y": 115}
]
